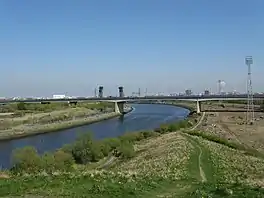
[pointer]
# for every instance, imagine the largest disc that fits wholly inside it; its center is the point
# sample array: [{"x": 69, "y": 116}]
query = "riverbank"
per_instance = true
[
  {"x": 54, "y": 127},
  {"x": 47, "y": 121},
  {"x": 168, "y": 163},
  {"x": 35, "y": 129}
]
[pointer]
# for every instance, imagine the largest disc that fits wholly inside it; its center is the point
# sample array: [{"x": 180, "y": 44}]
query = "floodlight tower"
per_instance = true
[{"x": 250, "y": 100}]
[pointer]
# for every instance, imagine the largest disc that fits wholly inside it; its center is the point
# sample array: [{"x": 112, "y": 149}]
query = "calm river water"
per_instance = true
[{"x": 144, "y": 116}]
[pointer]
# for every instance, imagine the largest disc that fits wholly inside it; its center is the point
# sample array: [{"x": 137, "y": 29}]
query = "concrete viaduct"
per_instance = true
[{"x": 120, "y": 101}]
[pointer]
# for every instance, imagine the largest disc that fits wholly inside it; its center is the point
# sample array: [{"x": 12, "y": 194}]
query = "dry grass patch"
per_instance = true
[
  {"x": 234, "y": 166},
  {"x": 164, "y": 156}
]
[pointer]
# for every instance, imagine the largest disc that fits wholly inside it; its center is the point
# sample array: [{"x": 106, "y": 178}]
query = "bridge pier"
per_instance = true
[
  {"x": 119, "y": 107},
  {"x": 198, "y": 106}
]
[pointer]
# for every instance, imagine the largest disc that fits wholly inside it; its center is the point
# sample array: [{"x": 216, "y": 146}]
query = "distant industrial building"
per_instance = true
[
  {"x": 59, "y": 96},
  {"x": 121, "y": 92},
  {"x": 206, "y": 92},
  {"x": 101, "y": 92},
  {"x": 188, "y": 92}
]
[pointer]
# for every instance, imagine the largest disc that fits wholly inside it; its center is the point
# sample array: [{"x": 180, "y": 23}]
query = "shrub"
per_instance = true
[
  {"x": 63, "y": 161},
  {"x": 21, "y": 106},
  {"x": 162, "y": 129},
  {"x": 105, "y": 148},
  {"x": 147, "y": 134},
  {"x": 112, "y": 142},
  {"x": 67, "y": 148},
  {"x": 132, "y": 137},
  {"x": 85, "y": 150},
  {"x": 26, "y": 160},
  {"x": 165, "y": 128},
  {"x": 48, "y": 163},
  {"x": 126, "y": 150}
]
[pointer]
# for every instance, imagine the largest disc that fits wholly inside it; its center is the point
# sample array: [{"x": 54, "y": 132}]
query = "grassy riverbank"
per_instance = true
[
  {"x": 167, "y": 164},
  {"x": 20, "y": 120},
  {"x": 31, "y": 130},
  {"x": 174, "y": 160}
]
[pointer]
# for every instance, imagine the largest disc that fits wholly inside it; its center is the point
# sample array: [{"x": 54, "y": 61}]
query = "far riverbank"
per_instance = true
[{"x": 31, "y": 130}]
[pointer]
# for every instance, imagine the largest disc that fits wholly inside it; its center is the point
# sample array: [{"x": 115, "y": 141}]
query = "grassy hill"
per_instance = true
[{"x": 170, "y": 165}]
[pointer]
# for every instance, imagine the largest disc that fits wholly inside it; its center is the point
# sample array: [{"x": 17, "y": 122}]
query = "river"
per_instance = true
[{"x": 143, "y": 117}]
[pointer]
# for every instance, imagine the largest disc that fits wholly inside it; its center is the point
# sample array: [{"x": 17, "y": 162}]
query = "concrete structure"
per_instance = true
[
  {"x": 206, "y": 92},
  {"x": 198, "y": 106},
  {"x": 119, "y": 107},
  {"x": 121, "y": 92},
  {"x": 188, "y": 92},
  {"x": 101, "y": 92},
  {"x": 59, "y": 96},
  {"x": 119, "y": 102}
]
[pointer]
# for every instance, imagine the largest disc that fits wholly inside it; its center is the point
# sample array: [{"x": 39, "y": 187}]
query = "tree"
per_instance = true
[
  {"x": 21, "y": 106},
  {"x": 27, "y": 160},
  {"x": 85, "y": 150},
  {"x": 63, "y": 161},
  {"x": 126, "y": 150}
]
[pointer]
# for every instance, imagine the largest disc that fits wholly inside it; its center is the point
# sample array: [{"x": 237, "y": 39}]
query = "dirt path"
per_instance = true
[
  {"x": 197, "y": 160},
  {"x": 107, "y": 163},
  {"x": 202, "y": 174},
  {"x": 199, "y": 122},
  {"x": 197, "y": 147}
]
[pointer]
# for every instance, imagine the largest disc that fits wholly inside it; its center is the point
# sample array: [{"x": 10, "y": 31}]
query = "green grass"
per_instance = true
[
  {"x": 113, "y": 184},
  {"x": 22, "y": 108},
  {"x": 223, "y": 190},
  {"x": 85, "y": 186},
  {"x": 225, "y": 142},
  {"x": 201, "y": 156},
  {"x": 189, "y": 164}
]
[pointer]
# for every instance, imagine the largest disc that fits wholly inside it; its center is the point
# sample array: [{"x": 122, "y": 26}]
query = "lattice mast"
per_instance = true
[{"x": 250, "y": 99}]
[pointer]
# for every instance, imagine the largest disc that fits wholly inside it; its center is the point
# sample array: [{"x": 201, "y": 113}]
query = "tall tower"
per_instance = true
[
  {"x": 219, "y": 87},
  {"x": 250, "y": 100},
  {"x": 121, "y": 92},
  {"x": 101, "y": 92},
  {"x": 95, "y": 93}
]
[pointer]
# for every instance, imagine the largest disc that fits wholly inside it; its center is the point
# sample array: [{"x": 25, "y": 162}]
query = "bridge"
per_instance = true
[{"x": 120, "y": 101}]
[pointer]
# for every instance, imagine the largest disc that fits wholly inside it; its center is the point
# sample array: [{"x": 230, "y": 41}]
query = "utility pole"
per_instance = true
[
  {"x": 95, "y": 92},
  {"x": 250, "y": 100}
]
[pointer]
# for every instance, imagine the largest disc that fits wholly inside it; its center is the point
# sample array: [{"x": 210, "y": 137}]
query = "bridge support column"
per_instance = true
[
  {"x": 119, "y": 107},
  {"x": 198, "y": 106}
]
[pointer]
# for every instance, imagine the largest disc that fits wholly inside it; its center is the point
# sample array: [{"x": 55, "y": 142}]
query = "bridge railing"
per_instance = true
[{"x": 137, "y": 98}]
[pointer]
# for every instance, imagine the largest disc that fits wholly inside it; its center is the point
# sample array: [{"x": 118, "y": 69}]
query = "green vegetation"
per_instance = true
[
  {"x": 247, "y": 150},
  {"x": 256, "y": 102},
  {"x": 22, "y": 108},
  {"x": 85, "y": 150},
  {"x": 23, "y": 119},
  {"x": 158, "y": 163},
  {"x": 26, "y": 160}
]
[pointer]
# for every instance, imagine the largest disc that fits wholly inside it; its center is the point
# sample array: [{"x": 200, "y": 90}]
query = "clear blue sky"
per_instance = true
[{"x": 58, "y": 46}]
